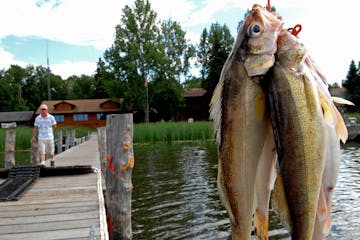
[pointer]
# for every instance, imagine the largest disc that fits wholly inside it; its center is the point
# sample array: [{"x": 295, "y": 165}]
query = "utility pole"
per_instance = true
[{"x": 48, "y": 71}]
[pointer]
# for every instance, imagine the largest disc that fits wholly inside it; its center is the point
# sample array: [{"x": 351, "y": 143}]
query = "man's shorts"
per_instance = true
[{"x": 46, "y": 146}]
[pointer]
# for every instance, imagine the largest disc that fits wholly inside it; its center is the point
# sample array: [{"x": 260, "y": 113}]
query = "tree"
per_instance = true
[
  {"x": 102, "y": 80},
  {"x": 132, "y": 56},
  {"x": 80, "y": 87},
  {"x": 214, "y": 49},
  {"x": 352, "y": 84},
  {"x": 146, "y": 51}
]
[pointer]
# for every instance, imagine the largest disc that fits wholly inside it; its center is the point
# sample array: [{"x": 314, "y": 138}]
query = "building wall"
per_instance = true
[{"x": 92, "y": 122}]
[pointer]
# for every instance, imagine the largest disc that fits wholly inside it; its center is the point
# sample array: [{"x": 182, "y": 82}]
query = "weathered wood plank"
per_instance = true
[
  {"x": 63, "y": 207},
  {"x": 4, "y": 210},
  {"x": 48, "y": 226},
  {"x": 51, "y": 235}
]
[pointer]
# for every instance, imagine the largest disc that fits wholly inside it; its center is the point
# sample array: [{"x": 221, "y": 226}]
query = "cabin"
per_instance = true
[
  {"x": 338, "y": 92},
  {"x": 25, "y": 118},
  {"x": 89, "y": 113},
  {"x": 197, "y": 107}
]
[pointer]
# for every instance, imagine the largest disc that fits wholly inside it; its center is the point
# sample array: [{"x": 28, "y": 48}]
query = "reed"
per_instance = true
[
  {"x": 172, "y": 131},
  {"x": 23, "y": 136}
]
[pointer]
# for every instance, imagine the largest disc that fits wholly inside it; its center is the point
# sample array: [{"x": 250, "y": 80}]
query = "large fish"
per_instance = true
[
  {"x": 299, "y": 131},
  {"x": 240, "y": 118}
]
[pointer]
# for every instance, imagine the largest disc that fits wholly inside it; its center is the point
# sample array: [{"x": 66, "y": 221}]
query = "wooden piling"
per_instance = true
[
  {"x": 120, "y": 162},
  {"x": 59, "y": 141},
  {"x": 72, "y": 137},
  {"x": 10, "y": 148},
  {"x": 35, "y": 152},
  {"x": 67, "y": 139},
  {"x": 101, "y": 134}
]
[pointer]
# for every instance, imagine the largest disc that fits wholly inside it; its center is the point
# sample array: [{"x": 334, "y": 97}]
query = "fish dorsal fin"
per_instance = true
[
  {"x": 343, "y": 101},
  {"x": 329, "y": 110},
  {"x": 216, "y": 109}
]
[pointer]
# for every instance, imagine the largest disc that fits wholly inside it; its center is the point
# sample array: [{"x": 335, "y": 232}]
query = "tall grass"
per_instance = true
[
  {"x": 172, "y": 131},
  {"x": 143, "y": 132},
  {"x": 23, "y": 136}
]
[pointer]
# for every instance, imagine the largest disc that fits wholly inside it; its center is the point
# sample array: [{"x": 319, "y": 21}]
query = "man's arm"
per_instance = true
[{"x": 34, "y": 134}]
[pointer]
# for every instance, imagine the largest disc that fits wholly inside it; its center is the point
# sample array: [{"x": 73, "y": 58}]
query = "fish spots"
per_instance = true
[
  {"x": 260, "y": 105},
  {"x": 330, "y": 189}
]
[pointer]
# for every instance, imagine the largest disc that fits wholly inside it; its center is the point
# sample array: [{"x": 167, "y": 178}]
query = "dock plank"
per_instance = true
[{"x": 60, "y": 207}]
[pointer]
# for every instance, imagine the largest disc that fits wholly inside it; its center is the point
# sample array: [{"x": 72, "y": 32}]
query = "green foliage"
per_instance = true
[
  {"x": 352, "y": 84},
  {"x": 172, "y": 131},
  {"x": 354, "y": 114},
  {"x": 213, "y": 50},
  {"x": 148, "y": 50}
]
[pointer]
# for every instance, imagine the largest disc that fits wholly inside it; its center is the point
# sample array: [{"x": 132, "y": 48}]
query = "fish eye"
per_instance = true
[{"x": 254, "y": 30}]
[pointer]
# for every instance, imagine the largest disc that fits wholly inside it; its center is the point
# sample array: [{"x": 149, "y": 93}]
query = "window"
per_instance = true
[
  {"x": 59, "y": 118},
  {"x": 80, "y": 117},
  {"x": 101, "y": 116}
]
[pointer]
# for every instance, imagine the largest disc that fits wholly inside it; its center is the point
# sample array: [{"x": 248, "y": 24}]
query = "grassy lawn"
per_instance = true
[{"x": 355, "y": 114}]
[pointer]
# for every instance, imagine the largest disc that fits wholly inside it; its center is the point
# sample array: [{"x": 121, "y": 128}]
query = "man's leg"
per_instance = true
[
  {"x": 42, "y": 151},
  {"x": 51, "y": 148}
]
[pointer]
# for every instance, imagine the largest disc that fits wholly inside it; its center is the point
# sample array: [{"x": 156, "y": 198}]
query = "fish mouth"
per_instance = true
[{"x": 259, "y": 64}]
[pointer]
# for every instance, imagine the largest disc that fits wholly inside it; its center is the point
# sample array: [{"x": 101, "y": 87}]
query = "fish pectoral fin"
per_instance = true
[
  {"x": 327, "y": 225},
  {"x": 279, "y": 203},
  {"x": 343, "y": 101},
  {"x": 261, "y": 226},
  {"x": 341, "y": 128},
  {"x": 328, "y": 110},
  {"x": 322, "y": 206}
]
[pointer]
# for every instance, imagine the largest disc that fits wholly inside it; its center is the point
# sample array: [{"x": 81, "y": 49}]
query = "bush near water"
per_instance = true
[{"x": 143, "y": 133}]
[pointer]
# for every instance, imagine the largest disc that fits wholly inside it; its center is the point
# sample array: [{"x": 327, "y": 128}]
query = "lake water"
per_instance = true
[{"x": 175, "y": 194}]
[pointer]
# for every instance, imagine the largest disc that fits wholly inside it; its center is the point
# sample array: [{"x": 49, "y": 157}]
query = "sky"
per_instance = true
[{"x": 75, "y": 33}]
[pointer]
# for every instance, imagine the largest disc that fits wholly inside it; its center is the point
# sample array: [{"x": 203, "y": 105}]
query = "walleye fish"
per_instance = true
[
  {"x": 240, "y": 118},
  {"x": 299, "y": 132}
]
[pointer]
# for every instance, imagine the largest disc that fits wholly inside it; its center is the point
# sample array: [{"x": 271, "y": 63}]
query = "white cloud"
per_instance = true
[
  {"x": 329, "y": 29},
  {"x": 7, "y": 59},
  {"x": 74, "y": 22},
  {"x": 67, "y": 69}
]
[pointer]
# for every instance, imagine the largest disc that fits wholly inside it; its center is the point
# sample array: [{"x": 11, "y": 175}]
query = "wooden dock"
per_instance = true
[{"x": 60, "y": 207}]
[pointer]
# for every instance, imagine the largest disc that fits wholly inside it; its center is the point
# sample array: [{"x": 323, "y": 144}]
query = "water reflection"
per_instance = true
[{"x": 175, "y": 195}]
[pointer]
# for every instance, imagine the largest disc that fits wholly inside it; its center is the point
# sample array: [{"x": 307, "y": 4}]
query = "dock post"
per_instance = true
[
  {"x": 67, "y": 140},
  {"x": 72, "y": 137},
  {"x": 120, "y": 162},
  {"x": 101, "y": 134},
  {"x": 10, "y": 148},
  {"x": 35, "y": 152},
  {"x": 59, "y": 141}
]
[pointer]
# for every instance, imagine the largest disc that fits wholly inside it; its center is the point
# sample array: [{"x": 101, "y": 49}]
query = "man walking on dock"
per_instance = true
[{"x": 44, "y": 127}]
